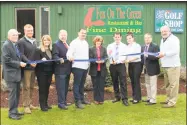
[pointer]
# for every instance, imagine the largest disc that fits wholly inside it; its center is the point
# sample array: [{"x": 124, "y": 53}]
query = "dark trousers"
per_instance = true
[
  {"x": 13, "y": 97},
  {"x": 118, "y": 74},
  {"x": 78, "y": 85},
  {"x": 135, "y": 69},
  {"x": 98, "y": 87},
  {"x": 62, "y": 85},
  {"x": 44, "y": 81}
]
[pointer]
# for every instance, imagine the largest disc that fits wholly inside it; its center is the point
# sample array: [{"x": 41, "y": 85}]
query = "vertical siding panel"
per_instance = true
[{"x": 53, "y": 22}]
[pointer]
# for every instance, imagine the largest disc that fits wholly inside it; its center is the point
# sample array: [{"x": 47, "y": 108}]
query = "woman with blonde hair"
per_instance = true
[
  {"x": 44, "y": 71},
  {"x": 98, "y": 69}
]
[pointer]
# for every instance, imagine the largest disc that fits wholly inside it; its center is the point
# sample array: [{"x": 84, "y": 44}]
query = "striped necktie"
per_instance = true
[{"x": 116, "y": 53}]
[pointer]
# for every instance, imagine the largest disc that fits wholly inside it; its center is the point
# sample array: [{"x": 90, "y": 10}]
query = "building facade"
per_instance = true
[{"x": 100, "y": 18}]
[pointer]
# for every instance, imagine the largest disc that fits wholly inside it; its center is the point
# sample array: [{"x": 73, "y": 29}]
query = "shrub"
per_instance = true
[
  {"x": 87, "y": 86},
  {"x": 183, "y": 73}
]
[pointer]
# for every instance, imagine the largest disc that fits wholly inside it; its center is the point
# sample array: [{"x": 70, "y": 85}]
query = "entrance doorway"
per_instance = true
[{"x": 25, "y": 16}]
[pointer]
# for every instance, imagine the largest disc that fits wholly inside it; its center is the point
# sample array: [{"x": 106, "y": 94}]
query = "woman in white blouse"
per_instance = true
[{"x": 134, "y": 68}]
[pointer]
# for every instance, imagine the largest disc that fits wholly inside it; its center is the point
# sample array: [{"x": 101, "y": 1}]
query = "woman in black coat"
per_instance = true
[
  {"x": 44, "y": 71},
  {"x": 98, "y": 70}
]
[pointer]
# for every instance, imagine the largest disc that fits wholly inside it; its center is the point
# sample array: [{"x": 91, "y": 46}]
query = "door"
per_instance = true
[{"x": 25, "y": 16}]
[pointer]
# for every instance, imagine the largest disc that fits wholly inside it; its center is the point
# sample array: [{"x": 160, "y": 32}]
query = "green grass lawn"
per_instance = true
[{"x": 107, "y": 114}]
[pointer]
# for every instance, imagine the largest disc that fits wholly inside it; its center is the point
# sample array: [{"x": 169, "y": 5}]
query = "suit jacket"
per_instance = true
[
  {"x": 151, "y": 62},
  {"x": 59, "y": 51},
  {"x": 11, "y": 63},
  {"x": 93, "y": 65},
  {"x": 46, "y": 67}
]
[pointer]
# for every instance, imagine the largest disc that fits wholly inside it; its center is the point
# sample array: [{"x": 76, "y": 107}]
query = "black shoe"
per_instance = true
[
  {"x": 68, "y": 104},
  {"x": 44, "y": 109},
  {"x": 135, "y": 101},
  {"x": 131, "y": 100},
  {"x": 85, "y": 102},
  {"x": 150, "y": 103},
  {"x": 15, "y": 117},
  {"x": 79, "y": 105},
  {"x": 20, "y": 113},
  {"x": 125, "y": 102},
  {"x": 115, "y": 100},
  {"x": 145, "y": 100},
  {"x": 48, "y": 107},
  {"x": 63, "y": 107}
]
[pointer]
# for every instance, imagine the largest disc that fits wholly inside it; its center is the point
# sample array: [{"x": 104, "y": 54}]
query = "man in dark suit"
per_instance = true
[
  {"x": 62, "y": 69},
  {"x": 12, "y": 64},
  {"x": 151, "y": 69}
]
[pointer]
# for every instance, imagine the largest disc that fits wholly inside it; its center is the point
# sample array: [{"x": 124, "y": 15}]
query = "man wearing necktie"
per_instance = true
[
  {"x": 117, "y": 68},
  {"x": 116, "y": 53},
  {"x": 17, "y": 50},
  {"x": 62, "y": 68},
  {"x": 12, "y": 64},
  {"x": 151, "y": 68}
]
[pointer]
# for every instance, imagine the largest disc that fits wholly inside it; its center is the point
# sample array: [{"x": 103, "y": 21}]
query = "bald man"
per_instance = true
[
  {"x": 62, "y": 68},
  {"x": 170, "y": 62},
  {"x": 11, "y": 59}
]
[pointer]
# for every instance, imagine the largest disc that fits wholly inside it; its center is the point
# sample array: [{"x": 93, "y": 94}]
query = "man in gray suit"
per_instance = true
[{"x": 11, "y": 60}]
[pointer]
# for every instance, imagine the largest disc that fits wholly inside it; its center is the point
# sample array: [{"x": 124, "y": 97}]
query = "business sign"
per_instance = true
[
  {"x": 105, "y": 20},
  {"x": 174, "y": 18}
]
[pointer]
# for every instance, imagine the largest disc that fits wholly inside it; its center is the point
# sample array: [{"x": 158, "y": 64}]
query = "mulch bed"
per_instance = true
[{"x": 108, "y": 95}]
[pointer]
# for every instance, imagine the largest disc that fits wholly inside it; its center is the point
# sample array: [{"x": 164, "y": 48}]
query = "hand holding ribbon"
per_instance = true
[
  {"x": 71, "y": 59},
  {"x": 61, "y": 60},
  {"x": 160, "y": 55},
  {"x": 33, "y": 64},
  {"x": 100, "y": 61},
  {"x": 22, "y": 64},
  {"x": 44, "y": 59},
  {"x": 145, "y": 54}
]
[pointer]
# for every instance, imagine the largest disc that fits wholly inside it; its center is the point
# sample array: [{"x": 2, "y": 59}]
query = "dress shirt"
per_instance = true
[
  {"x": 79, "y": 49},
  {"x": 30, "y": 40},
  {"x": 122, "y": 50},
  {"x": 134, "y": 48}
]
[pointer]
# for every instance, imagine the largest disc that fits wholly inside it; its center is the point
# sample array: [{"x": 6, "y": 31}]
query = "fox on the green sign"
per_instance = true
[{"x": 105, "y": 20}]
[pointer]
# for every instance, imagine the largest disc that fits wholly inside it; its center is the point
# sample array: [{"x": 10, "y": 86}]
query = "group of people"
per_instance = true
[{"x": 19, "y": 56}]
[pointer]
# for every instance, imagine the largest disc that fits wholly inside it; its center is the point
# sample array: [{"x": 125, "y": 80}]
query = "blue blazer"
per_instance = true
[
  {"x": 151, "y": 62},
  {"x": 59, "y": 51}
]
